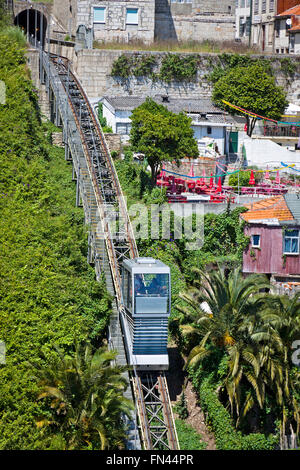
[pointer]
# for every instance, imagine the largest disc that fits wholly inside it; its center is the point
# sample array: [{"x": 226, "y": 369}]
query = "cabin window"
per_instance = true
[
  {"x": 127, "y": 289},
  {"x": 151, "y": 293},
  {"x": 99, "y": 15},
  {"x": 256, "y": 241},
  {"x": 291, "y": 242},
  {"x": 132, "y": 16}
]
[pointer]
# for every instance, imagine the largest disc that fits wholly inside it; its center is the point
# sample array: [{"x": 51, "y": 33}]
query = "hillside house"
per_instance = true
[
  {"x": 273, "y": 226},
  {"x": 207, "y": 120}
]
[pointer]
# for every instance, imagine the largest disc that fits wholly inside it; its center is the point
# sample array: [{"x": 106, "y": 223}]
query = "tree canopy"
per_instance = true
[
  {"x": 161, "y": 135},
  {"x": 253, "y": 89}
]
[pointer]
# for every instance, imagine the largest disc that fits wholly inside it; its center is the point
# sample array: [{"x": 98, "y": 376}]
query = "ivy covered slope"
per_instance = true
[{"x": 48, "y": 293}]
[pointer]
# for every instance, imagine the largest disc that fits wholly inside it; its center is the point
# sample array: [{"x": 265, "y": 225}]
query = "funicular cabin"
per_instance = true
[{"x": 147, "y": 300}]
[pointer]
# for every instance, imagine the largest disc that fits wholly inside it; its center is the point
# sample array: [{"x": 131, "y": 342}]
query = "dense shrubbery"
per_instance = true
[
  {"x": 227, "y": 438},
  {"x": 188, "y": 438},
  {"x": 48, "y": 293}
]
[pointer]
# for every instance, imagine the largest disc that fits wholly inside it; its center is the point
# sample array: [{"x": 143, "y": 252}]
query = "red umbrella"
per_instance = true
[
  {"x": 277, "y": 180},
  {"x": 211, "y": 182},
  {"x": 191, "y": 173},
  {"x": 267, "y": 174},
  {"x": 219, "y": 187},
  {"x": 252, "y": 179},
  {"x": 202, "y": 180}
]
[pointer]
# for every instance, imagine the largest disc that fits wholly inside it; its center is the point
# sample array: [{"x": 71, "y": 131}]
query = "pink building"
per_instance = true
[{"x": 273, "y": 226}]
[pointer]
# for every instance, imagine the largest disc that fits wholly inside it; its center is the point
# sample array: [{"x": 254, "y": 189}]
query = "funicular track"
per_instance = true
[{"x": 150, "y": 390}]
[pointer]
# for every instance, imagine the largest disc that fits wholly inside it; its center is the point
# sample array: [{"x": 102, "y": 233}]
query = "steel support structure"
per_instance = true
[{"x": 111, "y": 238}]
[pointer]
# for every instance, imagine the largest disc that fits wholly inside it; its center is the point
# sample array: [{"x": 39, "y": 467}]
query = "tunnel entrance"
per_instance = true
[{"x": 33, "y": 22}]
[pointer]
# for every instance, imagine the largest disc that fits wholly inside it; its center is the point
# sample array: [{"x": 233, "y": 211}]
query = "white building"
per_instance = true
[
  {"x": 287, "y": 31},
  {"x": 262, "y": 30},
  {"x": 243, "y": 20},
  {"x": 208, "y": 121}
]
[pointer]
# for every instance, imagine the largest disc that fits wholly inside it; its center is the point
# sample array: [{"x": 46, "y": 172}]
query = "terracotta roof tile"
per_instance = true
[
  {"x": 270, "y": 208},
  {"x": 291, "y": 11}
]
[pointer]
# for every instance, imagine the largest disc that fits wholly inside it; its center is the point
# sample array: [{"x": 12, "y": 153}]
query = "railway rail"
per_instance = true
[{"x": 150, "y": 390}]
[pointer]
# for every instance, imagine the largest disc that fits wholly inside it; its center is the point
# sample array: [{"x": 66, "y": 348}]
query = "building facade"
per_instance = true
[
  {"x": 243, "y": 20},
  {"x": 262, "y": 31},
  {"x": 287, "y": 31},
  {"x": 146, "y": 20},
  {"x": 207, "y": 120},
  {"x": 273, "y": 226}
]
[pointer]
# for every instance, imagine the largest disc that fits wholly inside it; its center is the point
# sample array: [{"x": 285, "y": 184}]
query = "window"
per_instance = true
[
  {"x": 248, "y": 25},
  {"x": 271, "y": 7},
  {"x": 242, "y": 27},
  {"x": 264, "y": 6},
  {"x": 99, "y": 15},
  {"x": 123, "y": 128},
  {"x": 132, "y": 16},
  {"x": 256, "y": 5},
  {"x": 256, "y": 241},
  {"x": 151, "y": 293},
  {"x": 291, "y": 242},
  {"x": 209, "y": 130}
]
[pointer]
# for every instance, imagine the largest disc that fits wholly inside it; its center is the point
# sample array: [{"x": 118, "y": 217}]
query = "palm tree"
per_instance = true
[
  {"x": 85, "y": 396},
  {"x": 217, "y": 309},
  {"x": 228, "y": 313}
]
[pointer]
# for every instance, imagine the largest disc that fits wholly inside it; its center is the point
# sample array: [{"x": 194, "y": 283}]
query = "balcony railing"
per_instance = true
[{"x": 281, "y": 131}]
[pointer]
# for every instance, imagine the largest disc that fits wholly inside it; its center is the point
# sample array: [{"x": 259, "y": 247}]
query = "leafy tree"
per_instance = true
[
  {"x": 85, "y": 396},
  {"x": 235, "y": 325},
  {"x": 253, "y": 89},
  {"x": 161, "y": 135}
]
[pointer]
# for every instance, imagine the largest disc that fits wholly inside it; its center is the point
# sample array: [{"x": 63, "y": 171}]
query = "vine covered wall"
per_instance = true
[{"x": 148, "y": 73}]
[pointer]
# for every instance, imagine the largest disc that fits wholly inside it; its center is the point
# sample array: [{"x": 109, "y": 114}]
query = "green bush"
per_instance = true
[
  {"x": 227, "y": 438},
  {"x": 188, "y": 438},
  {"x": 48, "y": 293}
]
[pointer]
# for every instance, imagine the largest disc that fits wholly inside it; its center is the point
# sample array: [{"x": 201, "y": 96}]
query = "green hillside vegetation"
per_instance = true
[{"x": 48, "y": 293}]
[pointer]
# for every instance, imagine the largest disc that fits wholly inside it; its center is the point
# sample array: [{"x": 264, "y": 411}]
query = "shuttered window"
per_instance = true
[
  {"x": 99, "y": 15},
  {"x": 132, "y": 16}
]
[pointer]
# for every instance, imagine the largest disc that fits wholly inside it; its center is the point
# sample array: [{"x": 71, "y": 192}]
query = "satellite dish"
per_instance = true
[{"x": 289, "y": 21}]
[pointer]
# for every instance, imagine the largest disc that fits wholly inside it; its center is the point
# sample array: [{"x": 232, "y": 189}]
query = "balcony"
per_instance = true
[{"x": 281, "y": 131}]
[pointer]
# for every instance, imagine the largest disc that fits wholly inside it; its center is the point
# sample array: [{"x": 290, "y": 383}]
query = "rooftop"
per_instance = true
[
  {"x": 291, "y": 11},
  {"x": 274, "y": 208},
  {"x": 203, "y": 106}
]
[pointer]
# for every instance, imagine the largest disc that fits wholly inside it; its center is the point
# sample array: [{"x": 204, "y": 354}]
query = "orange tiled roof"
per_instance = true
[
  {"x": 271, "y": 208},
  {"x": 291, "y": 11}
]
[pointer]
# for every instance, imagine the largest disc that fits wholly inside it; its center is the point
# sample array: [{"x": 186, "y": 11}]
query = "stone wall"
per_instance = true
[
  {"x": 66, "y": 13},
  {"x": 114, "y": 142},
  {"x": 93, "y": 68},
  {"x": 115, "y": 28},
  {"x": 196, "y": 21}
]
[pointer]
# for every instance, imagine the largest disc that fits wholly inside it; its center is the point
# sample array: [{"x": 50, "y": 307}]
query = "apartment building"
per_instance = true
[
  {"x": 262, "y": 30},
  {"x": 243, "y": 20}
]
